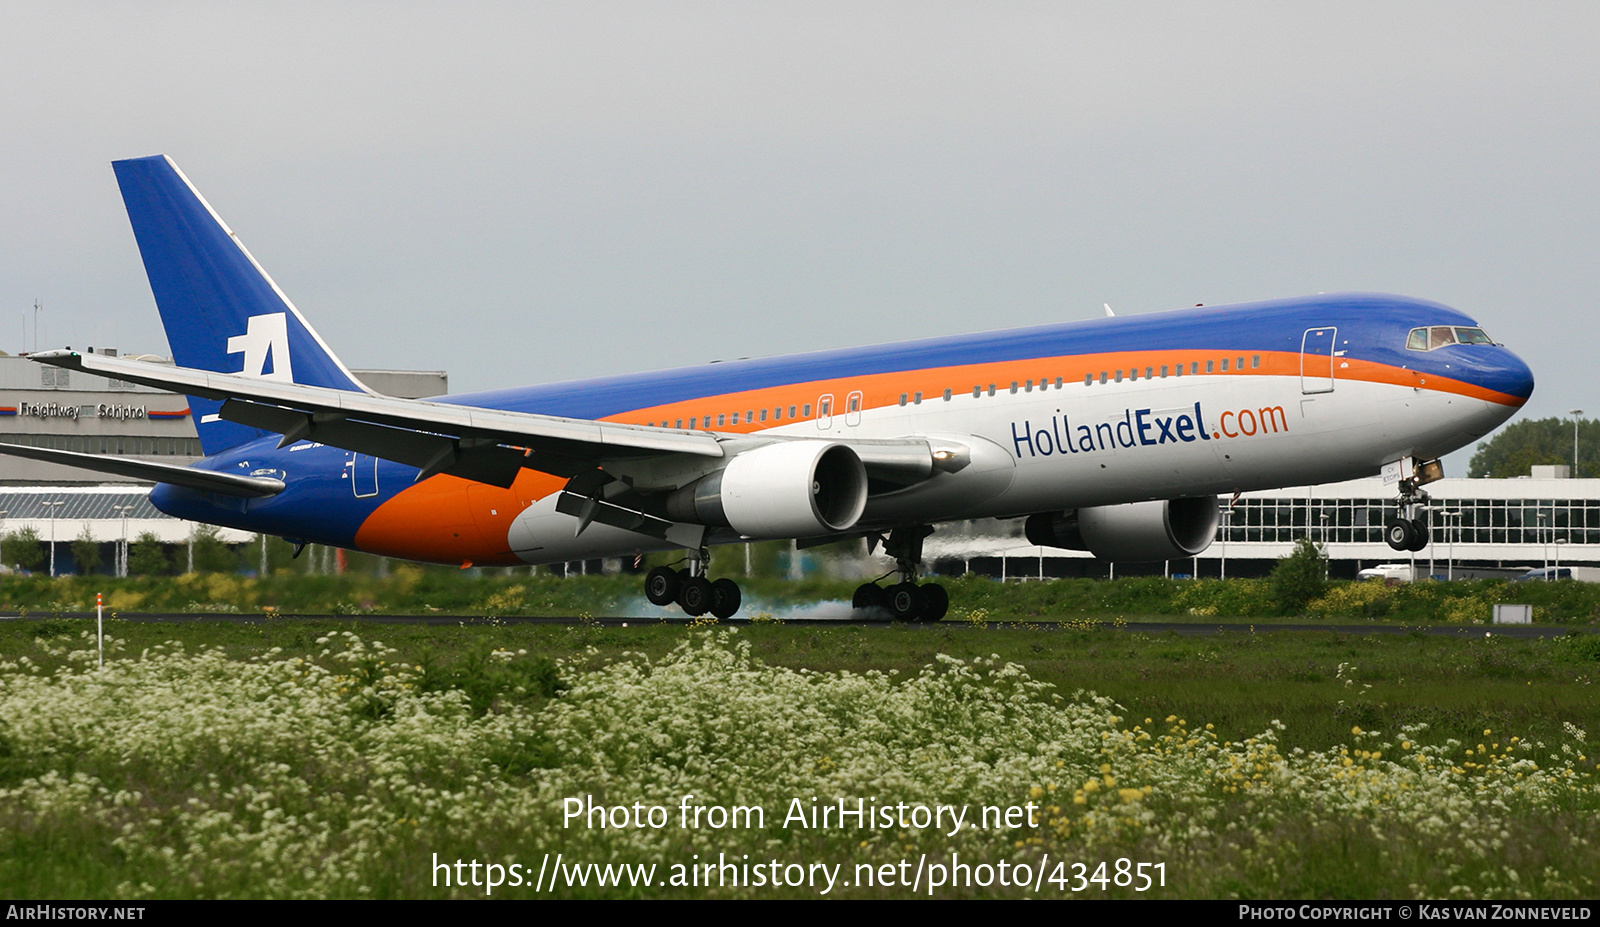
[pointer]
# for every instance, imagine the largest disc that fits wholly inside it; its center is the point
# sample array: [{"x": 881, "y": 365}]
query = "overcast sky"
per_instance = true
[{"x": 528, "y": 192}]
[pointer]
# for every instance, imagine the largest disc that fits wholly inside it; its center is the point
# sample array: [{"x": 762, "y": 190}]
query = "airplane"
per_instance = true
[{"x": 1114, "y": 435}]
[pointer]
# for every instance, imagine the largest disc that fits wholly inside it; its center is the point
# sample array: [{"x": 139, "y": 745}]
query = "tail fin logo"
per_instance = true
[{"x": 265, "y": 345}]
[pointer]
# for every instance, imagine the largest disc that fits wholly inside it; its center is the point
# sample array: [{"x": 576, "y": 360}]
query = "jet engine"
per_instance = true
[
  {"x": 1141, "y": 531},
  {"x": 785, "y": 490}
]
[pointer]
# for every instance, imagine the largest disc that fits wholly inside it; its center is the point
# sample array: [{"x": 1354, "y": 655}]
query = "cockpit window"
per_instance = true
[{"x": 1440, "y": 336}]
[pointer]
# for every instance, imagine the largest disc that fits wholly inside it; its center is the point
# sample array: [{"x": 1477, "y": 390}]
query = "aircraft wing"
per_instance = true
[{"x": 486, "y": 445}]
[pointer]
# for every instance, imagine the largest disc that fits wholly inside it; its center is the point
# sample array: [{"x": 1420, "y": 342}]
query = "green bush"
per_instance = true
[{"x": 1300, "y": 577}]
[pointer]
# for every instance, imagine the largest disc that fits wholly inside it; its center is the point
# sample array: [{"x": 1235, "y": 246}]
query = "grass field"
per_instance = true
[{"x": 337, "y": 758}]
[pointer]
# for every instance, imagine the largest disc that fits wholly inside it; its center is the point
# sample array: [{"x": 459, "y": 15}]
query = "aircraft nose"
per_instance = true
[{"x": 1512, "y": 376}]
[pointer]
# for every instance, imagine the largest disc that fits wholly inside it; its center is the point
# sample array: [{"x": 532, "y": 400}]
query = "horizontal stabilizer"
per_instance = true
[{"x": 227, "y": 484}]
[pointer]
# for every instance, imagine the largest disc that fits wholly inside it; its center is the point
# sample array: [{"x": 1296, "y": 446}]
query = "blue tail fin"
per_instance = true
[{"x": 220, "y": 309}]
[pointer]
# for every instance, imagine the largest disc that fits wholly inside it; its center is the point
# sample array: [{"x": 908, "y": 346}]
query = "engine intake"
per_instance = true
[
  {"x": 1137, "y": 532},
  {"x": 787, "y": 490}
]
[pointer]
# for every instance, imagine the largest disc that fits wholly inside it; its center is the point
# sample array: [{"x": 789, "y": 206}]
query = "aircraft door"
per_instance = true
[
  {"x": 852, "y": 409},
  {"x": 363, "y": 475},
  {"x": 1316, "y": 360}
]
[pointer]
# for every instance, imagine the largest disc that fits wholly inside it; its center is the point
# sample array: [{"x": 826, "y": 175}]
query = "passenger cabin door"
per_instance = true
[{"x": 1316, "y": 360}]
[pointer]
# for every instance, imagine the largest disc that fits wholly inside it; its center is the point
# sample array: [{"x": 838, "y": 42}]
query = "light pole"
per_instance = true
[
  {"x": 1453, "y": 522},
  {"x": 1575, "y": 413},
  {"x": 1558, "y": 543},
  {"x": 1544, "y": 545},
  {"x": 52, "y": 506},
  {"x": 1327, "y": 562},
  {"x": 1222, "y": 566},
  {"x": 122, "y": 549}
]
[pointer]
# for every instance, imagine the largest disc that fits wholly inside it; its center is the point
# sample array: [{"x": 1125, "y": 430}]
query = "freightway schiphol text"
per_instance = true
[{"x": 940, "y": 870}]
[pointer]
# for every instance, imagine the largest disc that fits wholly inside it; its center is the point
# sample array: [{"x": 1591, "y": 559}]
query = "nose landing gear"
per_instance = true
[
  {"x": 1408, "y": 528},
  {"x": 906, "y": 600}
]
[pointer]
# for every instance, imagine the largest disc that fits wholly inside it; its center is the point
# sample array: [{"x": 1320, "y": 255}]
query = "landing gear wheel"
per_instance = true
[
  {"x": 661, "y": 586},
  {"x": 694, "y": 596},
  {"x": 935, "y": 602},
  {"x": 1420, "y": 535},
  {"x": 725, "y": 598},
  {"x": 869, "y": 596},
  {"x": 1400, "y": 534},
  {"x": 905, "y": 601}
]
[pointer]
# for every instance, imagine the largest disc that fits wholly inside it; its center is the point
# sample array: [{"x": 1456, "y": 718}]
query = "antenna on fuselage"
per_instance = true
[{"x": 1109, "y": 313}]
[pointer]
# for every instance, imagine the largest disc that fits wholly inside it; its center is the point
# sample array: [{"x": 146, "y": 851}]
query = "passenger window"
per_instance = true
[
  {"x": 902, "y": 398},
  {"x": 763, "y": 415},
  {"x": 1239, "y": 365},
  {"x": 1163, "y": 371},
  {"x": 678, "y": 423},
  {"x": 977, "y": 391},
  {"x": 1255, "y": 361},
  {"x": 1148, "y": 373},
  {"x": 1088, "y": 379},
  {"x": 1058, "y": 382},
  {"x": 791, "y": 411},
  {"x": 1133, "y": 374},
  {"x": 946, "y": 395},
  {"x": 721, "y": 419},
  {"x": 1028, "y": 388},
  {"x": 808, "y": 410},
  {"x": 1013, "y": 387},
  {"x": 749, "y": 416},
  {"x": 1194, "y": 367},
  {"x": 1224, "y": 365},
  {"x": 1211, "y": 366},
  {"x": 991, "y": 389},
  {"x": 1102, "y": 378}
]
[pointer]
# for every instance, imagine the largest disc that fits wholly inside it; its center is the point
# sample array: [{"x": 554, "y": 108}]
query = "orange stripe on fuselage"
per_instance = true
[{"x": 882, "y": 390}]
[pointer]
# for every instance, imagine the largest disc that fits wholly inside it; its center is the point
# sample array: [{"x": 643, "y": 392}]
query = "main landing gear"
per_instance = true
[
  {"x": 905, "y": 600},
  {"x": 691, "y": 590}
]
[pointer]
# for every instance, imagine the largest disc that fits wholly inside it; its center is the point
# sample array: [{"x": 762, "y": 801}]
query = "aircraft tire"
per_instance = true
[
  {"x": 661, "y": 586},
  {"x": 1420, "y": 535},
  {"x": 868, "y": 597},
  {"x": 935, "y": 602},
  {"x": 694, "y": 596},
  {"x": 725, "y": 598},
  {"x": 1399, "y": 533},
  {"x": 905, "y": 601}
]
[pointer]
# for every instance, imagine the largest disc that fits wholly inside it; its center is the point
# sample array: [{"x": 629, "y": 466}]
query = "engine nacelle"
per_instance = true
[
  {"x": 1138, "y": 532},
  {"x": 794, "y": 489}
]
